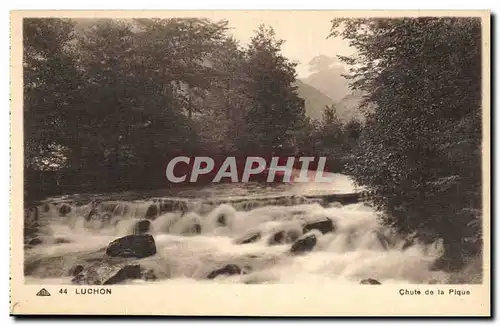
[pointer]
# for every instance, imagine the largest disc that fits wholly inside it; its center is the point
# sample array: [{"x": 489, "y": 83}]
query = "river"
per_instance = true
[{"x": 358, "y": 248}]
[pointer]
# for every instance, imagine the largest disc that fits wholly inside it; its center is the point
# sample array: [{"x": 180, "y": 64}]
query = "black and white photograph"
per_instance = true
[{"x": 255, "y": 148}]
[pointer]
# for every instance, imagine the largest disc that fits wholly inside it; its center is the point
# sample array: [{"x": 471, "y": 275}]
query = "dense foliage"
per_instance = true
[
  {"x": 420, "y": 152},
  {"x": 108, "y": 102}
]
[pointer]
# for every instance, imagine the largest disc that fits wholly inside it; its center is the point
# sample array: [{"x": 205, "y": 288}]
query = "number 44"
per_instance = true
[{"x": 63, "y": 291}]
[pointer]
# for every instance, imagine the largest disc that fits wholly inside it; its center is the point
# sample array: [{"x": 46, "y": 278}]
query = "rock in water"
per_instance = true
[
  {"x": 127, "y": 272},
  {"x": 64, "y": 210},
  {"x": 107, "y": 272},
  {"x": 106, "y": 218},
  {"x": 369, "y": 281},
  {"x": 74, "y": 271},
  {"x": 148, "y": 275},
  {"x": 61, "y": 240},
  {"x": 325, "y": 225},
  {"x": 222, "y": 220},
  {"x": 142, "y": 226},
  {"x": 35, "y": 242},
  {"x": 277, "y": 238},
  {"x": 227, "y": 270},
  {"x": 152, "y": 212},
  {"x": 284, "y": 237},
  {"x": 249, "y": 238},
  {"x": 304, "y": 244},
  {"x": 138, "y": 246}
]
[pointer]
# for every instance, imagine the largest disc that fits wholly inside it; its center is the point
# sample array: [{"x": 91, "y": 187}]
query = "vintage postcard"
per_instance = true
[{"x": 250, "y": 163}]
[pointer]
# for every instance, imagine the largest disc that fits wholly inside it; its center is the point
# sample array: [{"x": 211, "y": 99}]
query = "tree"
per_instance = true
[
  {"x": 275, "y": 108},
  {"x": 143, "y": 78},
  {"x": 331, "y": 132},
  {"x": 352, "y": 132},
  {"x": 420, "y": 151},
  {"x": 331, "y": 143},
  {"x": 50, "y": 94},
  {"x": 222, "y": 109},
  {"x": 307, "y": 136}
]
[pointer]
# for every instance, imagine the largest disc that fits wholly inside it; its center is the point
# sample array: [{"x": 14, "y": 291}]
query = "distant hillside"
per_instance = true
[
  {"x": 315, "y": 101},
  {"x": 330, "y": 82}
]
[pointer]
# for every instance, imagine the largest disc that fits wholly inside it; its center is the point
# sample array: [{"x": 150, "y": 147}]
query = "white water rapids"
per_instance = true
[{"x": 359, "y": 248}]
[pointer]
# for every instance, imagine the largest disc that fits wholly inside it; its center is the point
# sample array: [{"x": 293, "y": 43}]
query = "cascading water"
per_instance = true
[{"x": 195, "y": 235}]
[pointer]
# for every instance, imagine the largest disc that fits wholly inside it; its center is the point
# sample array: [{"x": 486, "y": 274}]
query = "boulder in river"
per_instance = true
[
  {"x": 148, "y": 275},
  {"x": 222, "y": 220},
  {"x": 152, "y": 212},
  {"x": 75, "y": 270},
  {"x": 249, "y": 238},
  {"x": 93, "y": 267},
  {"x": 324, "y": 226},
  {"x": 276, "y": 238},
  {"x": 138, "y": 246},
  {"x": 35, "y": 242},
  {"x": 64, "y": 209},
  {"x": 369, "y": 281},
  {"x": 142, "y": 226},
  {"x": 228, "y": 270},
  {"x": 107, "y": 272},
  {"x": 61, "y": 240},
  {"x": 304, "y": 244},
  {"x": 284, "y": 237}
]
